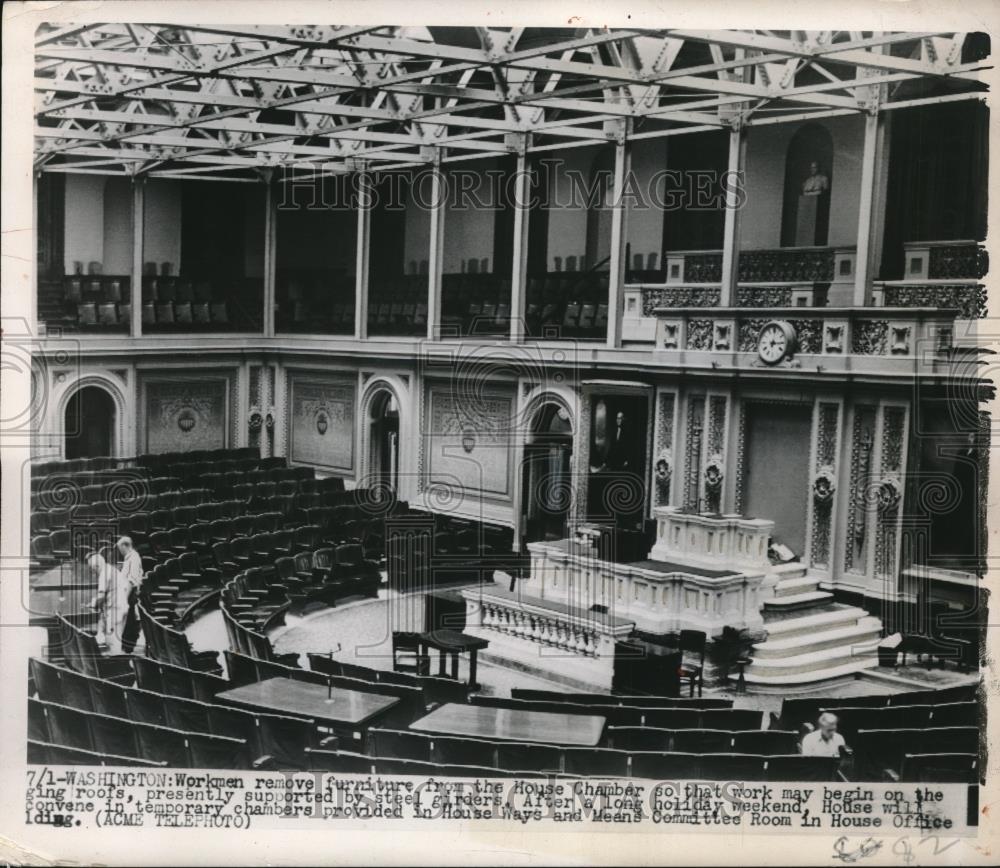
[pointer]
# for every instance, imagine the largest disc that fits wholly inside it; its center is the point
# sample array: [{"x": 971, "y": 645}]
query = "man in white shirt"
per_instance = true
[
  {"x": 111, "y": 603},
  {"x": 825, "y": 741},
  {"x": 131, "y": 575}
]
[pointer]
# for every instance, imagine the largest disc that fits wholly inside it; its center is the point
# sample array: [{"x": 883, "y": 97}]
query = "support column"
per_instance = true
[
  {"x": 33, "y": 268},
  {"x": 270, "y": 249},
  {"x": 362, "y": 262},
  {"x": 864, "y": 272},
  {"x": 519, "y": 276},
  {"x": 731, "y": 231},
  {"x": 138, "y": 224},
  {"x": 436, "y": 255},
  {"x": 616, "y": 266}
]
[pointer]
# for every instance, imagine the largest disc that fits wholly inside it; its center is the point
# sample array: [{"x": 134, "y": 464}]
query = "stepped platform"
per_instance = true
[{"x": 810, "y": 638}]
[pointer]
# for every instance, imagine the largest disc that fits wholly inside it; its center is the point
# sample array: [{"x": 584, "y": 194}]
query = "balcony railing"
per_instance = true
[
  {"x": 967, "y": 297},
  {"x": 780, "y": 265},
  {"x": 945, "y": 260}
]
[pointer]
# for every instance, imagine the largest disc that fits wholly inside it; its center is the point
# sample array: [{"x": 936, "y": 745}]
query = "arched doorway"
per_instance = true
[
  {"x": 384, "y": 446},
  {"x": 90, "y": 419},
  {"x": 547, "y": 483}
]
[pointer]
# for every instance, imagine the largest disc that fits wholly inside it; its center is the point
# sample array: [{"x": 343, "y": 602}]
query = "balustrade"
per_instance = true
[{"x": 511, "y": 618}]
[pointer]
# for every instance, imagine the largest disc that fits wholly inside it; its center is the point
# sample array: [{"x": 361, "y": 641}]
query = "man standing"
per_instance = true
[
  {"x": 111, "y": 603},
  {"x": 131, "y": 576}
]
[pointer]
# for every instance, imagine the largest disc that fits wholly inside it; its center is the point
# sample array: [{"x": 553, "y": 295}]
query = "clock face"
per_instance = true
[{"x": 774, "y": 343}]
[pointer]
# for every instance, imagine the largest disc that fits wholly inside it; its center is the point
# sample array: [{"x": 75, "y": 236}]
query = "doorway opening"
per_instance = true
[
  {"x": 776, "y": 468},
  {"x": 547, "y": 484},
  {"x": 90, "y": 419},
  {"x": 384, "y": 453}
]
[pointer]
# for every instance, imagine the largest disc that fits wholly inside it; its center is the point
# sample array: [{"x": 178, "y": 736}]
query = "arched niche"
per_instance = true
[
  {"x": 90, "y": 417},
  {"x": 805, "y": 216}
]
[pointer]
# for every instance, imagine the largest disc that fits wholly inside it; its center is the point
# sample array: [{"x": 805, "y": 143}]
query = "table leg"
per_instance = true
[
  {"x": 472, "y": 668},
  {"x": 454, "y": 665},
  {"x": 441, "y": 667}
]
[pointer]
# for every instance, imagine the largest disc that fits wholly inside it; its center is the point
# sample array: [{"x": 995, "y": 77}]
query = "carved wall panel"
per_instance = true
[
  {"x": 824, "y": 486},
  {"x": 692, "y": 450},
  {"x": 469, "y": 442},
  {"x": 857, "y": 531},
  {"x": 715, "y": 458},
  {"x": 699, "y": 334},
  {"x": 663, "y": 452},
  {"x": 888, "y": 495},
  {"x": 322, "y": 413},
  {"x": 185, "y": 415}
]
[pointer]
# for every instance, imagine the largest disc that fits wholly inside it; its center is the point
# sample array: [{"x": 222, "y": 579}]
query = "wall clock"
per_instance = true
[{"x": 776, "y": 342}]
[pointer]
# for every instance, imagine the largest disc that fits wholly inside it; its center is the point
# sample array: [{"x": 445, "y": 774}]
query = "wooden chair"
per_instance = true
[
  {"x": 692, "y": 641},
  {"x": 405, "y": 648}
]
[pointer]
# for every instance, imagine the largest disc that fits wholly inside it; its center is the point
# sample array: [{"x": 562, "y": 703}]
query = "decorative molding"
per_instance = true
[
  {"x": 808, "y": 335},
  {"x": 699, "y": 334},
  {"x": 834, "y": 337},
  {"x": 750, "y": 334},
  {"x": 870, "y": 337}
]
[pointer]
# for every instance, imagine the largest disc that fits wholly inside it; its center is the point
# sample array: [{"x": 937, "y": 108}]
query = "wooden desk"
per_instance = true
[
  {"x": 505, "y": 724},
  {"x": 454, "y": 643},
  {"x": 344, "y": 708}
]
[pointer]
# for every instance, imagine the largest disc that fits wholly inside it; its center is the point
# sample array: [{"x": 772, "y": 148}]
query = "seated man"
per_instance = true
[{"x": 825, "y": 741}]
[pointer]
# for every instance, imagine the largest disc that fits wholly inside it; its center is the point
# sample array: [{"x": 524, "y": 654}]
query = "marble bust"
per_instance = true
[{"x": 816, "y": 183}]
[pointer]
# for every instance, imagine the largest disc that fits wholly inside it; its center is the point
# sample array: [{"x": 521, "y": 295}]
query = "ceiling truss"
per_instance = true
[{"x": 172, "y": 100}]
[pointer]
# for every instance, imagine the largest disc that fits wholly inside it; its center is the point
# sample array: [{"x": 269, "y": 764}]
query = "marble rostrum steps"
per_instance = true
[{"x": 810, "y": 638}]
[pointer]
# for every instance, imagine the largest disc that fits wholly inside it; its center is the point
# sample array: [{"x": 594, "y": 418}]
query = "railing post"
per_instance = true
[{"x": 731, "y": 229}]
